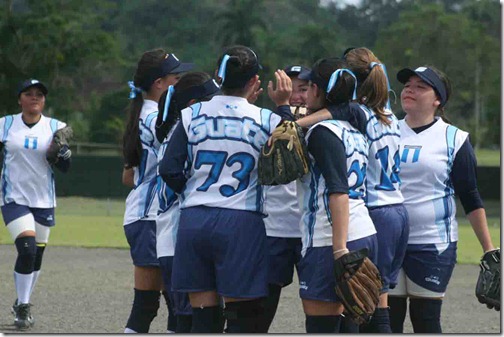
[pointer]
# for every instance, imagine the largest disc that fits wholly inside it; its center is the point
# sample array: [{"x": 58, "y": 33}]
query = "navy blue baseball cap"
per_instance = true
[
  {"x": 25, "y": 85},
  {"x": 300, "y": 71},
  {"x": 427, "y": 75},
  {"x": 172, "y": 65}
]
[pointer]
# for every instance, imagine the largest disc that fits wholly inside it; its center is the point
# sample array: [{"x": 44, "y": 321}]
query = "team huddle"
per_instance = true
[{"x": 219, "y": 245}]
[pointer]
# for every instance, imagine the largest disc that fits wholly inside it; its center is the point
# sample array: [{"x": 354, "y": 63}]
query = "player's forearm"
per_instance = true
[
  {"x": 314, "y": 118},
  {"x": 128, "y": 177},
  {"x": 478, "y": 221},
  {"x": 338, "y": 204}
]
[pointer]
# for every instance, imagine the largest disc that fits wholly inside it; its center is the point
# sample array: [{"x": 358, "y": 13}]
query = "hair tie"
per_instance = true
[
  {"x": 169, "y": 94},
  {"x": 134, "y": 90},
  {"x": 222, "y": 68},
  {"x": 336, "y": 75}
]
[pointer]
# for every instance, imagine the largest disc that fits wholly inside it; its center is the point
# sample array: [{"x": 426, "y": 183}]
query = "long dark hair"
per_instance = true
[
  {"x": 178, "y": 102},
  {"x": 371, "y": 81},
  {"x": 132, "y": 147},
  {"x": 342, "y": 90},
  {"x": 242, "y": 65}
]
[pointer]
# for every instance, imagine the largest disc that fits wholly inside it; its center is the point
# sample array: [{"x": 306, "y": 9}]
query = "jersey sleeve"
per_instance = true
[
  {"x": 328, "y": 152},
  {"x": 463, "y": 176},
  {"x": 152, "y": 127},
  {"x": 171, "y": 167}
]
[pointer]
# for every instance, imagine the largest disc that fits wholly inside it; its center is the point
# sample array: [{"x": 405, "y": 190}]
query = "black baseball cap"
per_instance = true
[
  {"x": 298, "y": 70},
  {"x": 23, "y": 86},
  {"x": 427, "y": 75}
]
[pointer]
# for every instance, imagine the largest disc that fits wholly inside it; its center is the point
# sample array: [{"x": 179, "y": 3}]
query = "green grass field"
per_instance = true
[
  {"x": 487, "y": 157},
  {"x": 84, "y": 222}
]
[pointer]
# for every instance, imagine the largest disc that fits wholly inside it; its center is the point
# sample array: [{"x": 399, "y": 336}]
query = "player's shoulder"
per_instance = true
[{"x": 54, "y": 123}]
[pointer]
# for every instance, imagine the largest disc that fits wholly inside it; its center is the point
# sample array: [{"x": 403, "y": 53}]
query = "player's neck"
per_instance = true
[
  {"x": 30, "y": 118},
  {"x": 415, "y": 120}
]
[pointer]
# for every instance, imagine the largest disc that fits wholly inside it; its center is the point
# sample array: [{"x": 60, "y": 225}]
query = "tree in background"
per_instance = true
[{"x": 58, "y": 42}]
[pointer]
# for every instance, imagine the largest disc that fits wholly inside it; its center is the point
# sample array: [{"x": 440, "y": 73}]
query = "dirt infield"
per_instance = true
[{"x": 91, "y": 290}]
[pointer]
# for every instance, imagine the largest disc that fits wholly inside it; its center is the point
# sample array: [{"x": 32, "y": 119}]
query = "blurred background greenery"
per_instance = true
[{"x": 86, "y": 51}]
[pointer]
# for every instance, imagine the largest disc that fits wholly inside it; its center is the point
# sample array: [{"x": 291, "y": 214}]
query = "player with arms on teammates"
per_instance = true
[
  {"x": 29, "y": 199},
  {"x": 211, "y": 160},
  {"x": 371, "y": 114}
]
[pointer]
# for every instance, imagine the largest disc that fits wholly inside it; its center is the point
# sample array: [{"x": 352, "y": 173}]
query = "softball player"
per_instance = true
[
  {"x": 156, "y": 70},
  {"x": 282, "y": 222},
  {"x": 437, "y": 161},
  {"x": 28, "y": 194},
  {"x": 191, "y": 87},
  {"x": 211, "y": 159},
  {"x": 384, "y": 199},
  {"x": 334, "y": 216}
]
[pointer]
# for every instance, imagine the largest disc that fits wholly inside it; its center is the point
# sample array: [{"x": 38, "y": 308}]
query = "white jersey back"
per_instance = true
[
  {"x": 426, "y": 163},
  {"x": 316, "y": 223},
  {"x": 283, "y": 214},
  {"x": 27, "y": 177},
  {"x": 142, "y": 202},
  {"x": 168, "y": 214},
  {"x": 382, "y": 175},
  {"x": 225, "y": 136}
]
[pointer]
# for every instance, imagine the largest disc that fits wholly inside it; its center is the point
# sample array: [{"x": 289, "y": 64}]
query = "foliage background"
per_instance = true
[{"x": 86, "y": 51}]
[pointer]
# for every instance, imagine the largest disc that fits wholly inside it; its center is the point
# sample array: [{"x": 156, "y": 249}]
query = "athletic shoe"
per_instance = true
[{"x": 23, "y": 318}]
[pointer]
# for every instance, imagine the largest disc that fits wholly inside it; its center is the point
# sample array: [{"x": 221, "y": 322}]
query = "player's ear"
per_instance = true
[
  {"x": 191, "y": 102},
  {"x": 316, "y": 90}
]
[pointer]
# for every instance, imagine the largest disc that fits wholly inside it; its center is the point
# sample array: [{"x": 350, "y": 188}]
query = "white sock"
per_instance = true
[
  {"x": 23, "y": 286},
  {"x": 34, "y": 280},
  {"x": 128, "y": 330}
]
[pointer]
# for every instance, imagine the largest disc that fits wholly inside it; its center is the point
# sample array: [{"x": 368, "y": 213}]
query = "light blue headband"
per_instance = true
[
  {"x": 374, "y": 64},
  {"x": 222, "y": 68},
  {"x": 134, "y": 90},
  {"x": 169, "y": 95},
  {"x": 336, "y": 75}
]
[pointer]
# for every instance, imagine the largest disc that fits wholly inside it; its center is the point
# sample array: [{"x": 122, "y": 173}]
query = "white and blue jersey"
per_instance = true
[
  {"x": 384, "y": 163},
  {"x": 142, "y": 202},
  {"x": 282, "y": 209},
  {"x": 426, "y": 163},
  {"x": 224, "y": 138},
  {"x": 316, "y": 222},
  {"x": 27, "y": 177},
  {"x": 168, "y": 213}
]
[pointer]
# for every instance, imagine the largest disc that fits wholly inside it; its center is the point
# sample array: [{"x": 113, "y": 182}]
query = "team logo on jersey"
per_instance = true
[
  {"x": 415, "y": 149},
  {"x": 31, "y": 142},
  {"x": 433, "y": 279},
  {"x": 231, "y": 128}
]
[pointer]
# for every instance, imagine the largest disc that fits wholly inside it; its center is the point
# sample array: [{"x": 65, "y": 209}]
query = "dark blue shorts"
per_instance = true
[
  {"x": 13, "y": 211},
  {"x": 284, "y": 254},
  {"x": 392, "y": 230},
  {"x": 179, "y": 301},
  {"x": 430, "y": 268},
  {"x": 141, "y": 236},
  {"x": 223, "y": 250},
  {"x": 316, "y": 269}
]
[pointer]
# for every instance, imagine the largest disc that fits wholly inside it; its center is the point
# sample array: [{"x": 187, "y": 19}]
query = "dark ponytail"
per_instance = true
[
  {"x": 241, "y": 66},
  {"x": 132, "y": 147},
  {"x": 343, "y": 89}
]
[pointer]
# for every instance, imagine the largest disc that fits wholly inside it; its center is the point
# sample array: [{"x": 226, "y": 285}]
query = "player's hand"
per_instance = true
[
  {"x": 281, "y": 94},
  {"x": 257, "y": 90}
]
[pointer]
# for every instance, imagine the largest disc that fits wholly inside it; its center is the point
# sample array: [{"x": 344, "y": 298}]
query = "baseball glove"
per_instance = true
[
  {"x": 59, "y": 147},
  {"x": 285, "y": 159},
  {"x": 358, "y": 284},
  {"x": 489, "y": 280}
]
